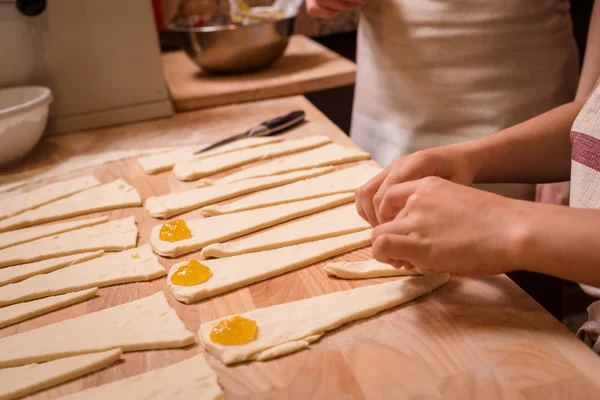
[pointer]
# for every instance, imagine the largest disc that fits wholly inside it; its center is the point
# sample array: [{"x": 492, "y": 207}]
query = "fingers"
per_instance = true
[
  {"x": 392, "y": 243},
  {"x": 394, "y": 201},
  {"x": 402, "y": 171},
  {"x": 364, "y": 198}
]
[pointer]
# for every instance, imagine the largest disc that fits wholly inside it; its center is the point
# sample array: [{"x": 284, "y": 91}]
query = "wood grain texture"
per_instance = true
[
  {"x": 306, "y": 66},
  {"x": 475, "y": 338}
]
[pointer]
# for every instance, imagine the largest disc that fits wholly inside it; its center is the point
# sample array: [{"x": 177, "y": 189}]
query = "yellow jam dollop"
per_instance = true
[
  {"x": 135, "y": 255},
  {"x": 174, "y": 231},
  {"x": 235, "y": 330},
  {"x": 190, "y": 274}
]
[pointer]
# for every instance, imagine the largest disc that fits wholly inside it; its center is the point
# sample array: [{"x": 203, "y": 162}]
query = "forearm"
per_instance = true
[
  {"x": 537, "y": 150},
  {"x": 557, "y": 241}
]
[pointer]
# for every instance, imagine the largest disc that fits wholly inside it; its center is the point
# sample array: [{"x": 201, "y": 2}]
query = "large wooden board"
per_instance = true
[
  {"x": 306, "y": 66},
  {"x": 474, "y": 338}
]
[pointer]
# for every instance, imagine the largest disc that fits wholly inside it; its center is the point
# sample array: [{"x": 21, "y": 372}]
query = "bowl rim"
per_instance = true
[
  {"x": 43, "y": 98},
  {"x": 219, "y": 28}
]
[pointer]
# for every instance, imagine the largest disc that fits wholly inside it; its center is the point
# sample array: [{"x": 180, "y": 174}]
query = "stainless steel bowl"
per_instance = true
[{"x": 234, "y": 48}]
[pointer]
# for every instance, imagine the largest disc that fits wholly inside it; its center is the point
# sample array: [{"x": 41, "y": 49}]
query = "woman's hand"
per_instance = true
[
  {"x": 447, "y": 227},
  {"x": 330, "y": 8},
  {"x": 448, "y": 163}
]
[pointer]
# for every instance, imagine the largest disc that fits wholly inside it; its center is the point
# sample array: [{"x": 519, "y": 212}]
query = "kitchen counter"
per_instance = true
[
  {"x": 473, "y": 338},
  {"x": 306, "y": 66}
]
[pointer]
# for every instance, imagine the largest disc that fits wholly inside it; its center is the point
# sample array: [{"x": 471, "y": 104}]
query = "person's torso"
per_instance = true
[{"x": 434, "y": 72}]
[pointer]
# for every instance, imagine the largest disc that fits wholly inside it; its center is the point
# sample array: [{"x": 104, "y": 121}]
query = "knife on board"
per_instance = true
[{"x": 265, "y": 128}]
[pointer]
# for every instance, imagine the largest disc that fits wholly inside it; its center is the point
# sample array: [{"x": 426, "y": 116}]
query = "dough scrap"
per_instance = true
[
  {"x": 194, "y": 169},
  {"x": 20, "y": 312},
  {"x": 191, "y": 379},
  {"x": 19, "y": 236},
  {"x": 111, "y": 269},
  {"x": 145, "y": 324},
  {"x": 224, "y": 227},
  {"x": 238, "y": 271},
  {"x": 340, "y": 221},
  {"x": 67, "y": 164},
  {"x": 330, "y": 154},
  {"x": 165, "y": 161},
  {"x": 299, "y": 321},
  {"x": 115, "y": 235},
  {"x": 117, "y": 194},
  {"x": 31, "y": 378},
  {"x": 367, "y": 269},
  {"x": 25, "y": 201},
  {"x": 24, "y": 271},
  {"x": 176, "y": 203},
  {"x": 344, "y": 180}
]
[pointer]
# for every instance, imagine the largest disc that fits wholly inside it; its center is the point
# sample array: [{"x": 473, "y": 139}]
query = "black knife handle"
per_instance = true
[{"x": 286, "y": 121}]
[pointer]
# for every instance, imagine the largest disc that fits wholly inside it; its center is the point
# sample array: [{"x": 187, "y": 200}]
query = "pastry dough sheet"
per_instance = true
[
  {"x": 367, "y": 269},
  {"x": 235, "y": 272},
  {"x": 290, "y": 327},
  {"x": 144, "y": 324}
]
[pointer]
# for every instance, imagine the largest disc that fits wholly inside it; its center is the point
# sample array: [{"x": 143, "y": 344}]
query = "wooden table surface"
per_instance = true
[
  {"x": 306, "y": 66},
  {"x": 473, "y": 338}
]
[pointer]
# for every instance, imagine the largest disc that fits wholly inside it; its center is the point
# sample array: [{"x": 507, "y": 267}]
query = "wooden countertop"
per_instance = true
[
  {"x": 478, "y": 338},
  {"x": 306, "y": 66}
]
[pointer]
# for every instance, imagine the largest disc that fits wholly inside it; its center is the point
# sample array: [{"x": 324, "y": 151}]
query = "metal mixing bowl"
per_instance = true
[{"x": 232, "y": 48}]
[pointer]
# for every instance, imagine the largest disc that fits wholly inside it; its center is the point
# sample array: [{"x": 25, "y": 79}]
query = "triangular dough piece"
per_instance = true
[
  {"x": 144, "y": 324},
  {"x": 344, "y": 180},
  {"x": 176, "y": 203},
  {"x": 163, "y": 162},
  {"x": 330, "y": 154},
  {"x": 211, "y": 230},
  {"x": 20, "y": 312},
  {"x": 31, "y": 378},
  {"x": 111, "y": 236},
  {"x": 12, "y": 238},
  {"x": 191, "y": 379},
  {"x": 340, "y": 221},
  {"x": 367, "y": 269},
  {"x": 194, "y": 169},
  {"x": 24, "y": 271},
  {"x": 238, "y": 271},
  {"x": 25, "y": 201},
  {"x": 133, "y": 265},
  {"x": 287, "y": 328},
  {"x": 117, "y": 194}
]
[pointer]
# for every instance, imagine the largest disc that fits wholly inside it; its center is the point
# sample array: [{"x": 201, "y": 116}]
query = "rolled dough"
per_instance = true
[
  {"x": 176, "y": 203},
  {"x": 117, "y": 194},
  {"x": 25, "y": 201},
  {"x": 287, "y": 328},
  {"x": 111, "y": 269},
  {"x": 366, "y": 269},
  {"x": 224, "y": 227},
  {"x": 234, "y": 272},
  {"x": 111, "y": 236},
  {"x": 191, "y": 379},
  {"x": 31, "y": 378},
  {"x": 345, "y": 180},
  {"x": 24, "y": 271},
  {"x": 20, "y": 312},
  {"x": 194, "y": 169},
  {"x": 330, "y": 154},
  {"x": 337, "y": 222},
  {"x": 144, "y": 324},
  {"x": 165, "y": 161},
  {"x": 19, "y": 236}
]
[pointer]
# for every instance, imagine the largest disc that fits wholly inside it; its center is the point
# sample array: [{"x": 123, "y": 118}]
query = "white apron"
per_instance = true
[{"x": 437, "y": 72}]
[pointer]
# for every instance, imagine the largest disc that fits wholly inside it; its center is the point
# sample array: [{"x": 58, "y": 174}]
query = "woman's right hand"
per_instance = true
[
  {"x": 374, "y": 201},
  {"x": 330, "y": 8}
]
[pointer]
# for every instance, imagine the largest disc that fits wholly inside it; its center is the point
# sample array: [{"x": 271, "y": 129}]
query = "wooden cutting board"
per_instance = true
[
  {"x": 475, "y": 338},
  {"x": 306, "y": 66}
]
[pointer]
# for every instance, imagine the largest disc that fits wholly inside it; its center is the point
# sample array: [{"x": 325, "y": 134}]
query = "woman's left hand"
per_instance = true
[{"x": 447, "y": 227}]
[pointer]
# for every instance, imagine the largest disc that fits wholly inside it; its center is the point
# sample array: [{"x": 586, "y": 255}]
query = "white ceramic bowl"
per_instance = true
[{"x": 23, "y": 116}]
